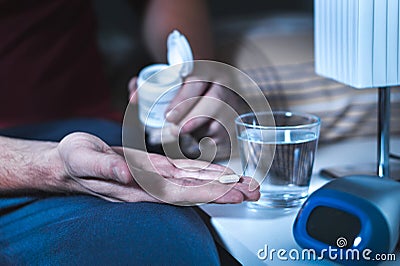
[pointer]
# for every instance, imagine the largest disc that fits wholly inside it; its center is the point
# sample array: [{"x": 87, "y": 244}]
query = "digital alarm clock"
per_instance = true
[{"x": 351, "y": 219}]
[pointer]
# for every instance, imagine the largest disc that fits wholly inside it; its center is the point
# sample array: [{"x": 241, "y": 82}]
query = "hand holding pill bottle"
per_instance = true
[{"x": 157, "y": 86}]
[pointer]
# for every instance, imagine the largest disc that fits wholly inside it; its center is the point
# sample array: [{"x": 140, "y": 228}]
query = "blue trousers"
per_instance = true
[{"x": 85, "y": 230}]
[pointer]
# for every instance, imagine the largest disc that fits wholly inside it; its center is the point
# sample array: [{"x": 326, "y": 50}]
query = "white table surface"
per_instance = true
[{"x": 243, "y": 231}]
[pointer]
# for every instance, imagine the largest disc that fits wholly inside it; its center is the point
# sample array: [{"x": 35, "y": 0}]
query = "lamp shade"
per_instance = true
[{"x": 357, "y": 42}]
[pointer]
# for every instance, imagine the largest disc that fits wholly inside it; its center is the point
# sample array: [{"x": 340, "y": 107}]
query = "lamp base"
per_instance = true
[{"x": 368, "y": 169}]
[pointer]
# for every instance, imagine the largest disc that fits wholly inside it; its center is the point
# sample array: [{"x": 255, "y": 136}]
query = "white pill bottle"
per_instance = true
[{"x": 157, "y": 86}]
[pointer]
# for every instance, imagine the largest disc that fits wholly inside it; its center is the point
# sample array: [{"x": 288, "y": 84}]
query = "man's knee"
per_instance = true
[
  {"x": 148, "y": 232},
  {"x": 141, "y": 233},
  {"x": 85, "y": 230}
]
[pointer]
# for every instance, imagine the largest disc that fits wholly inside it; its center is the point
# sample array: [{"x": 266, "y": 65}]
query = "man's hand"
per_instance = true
[
  {"x": 202, "y": 109},
  {"x": 206, "y": 109},
  {"x": 88, "y": 165}
]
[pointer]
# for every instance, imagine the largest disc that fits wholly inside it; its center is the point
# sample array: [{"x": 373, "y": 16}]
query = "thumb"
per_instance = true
[
  {"x": 85, "y": 155},
  {"x": 109, "y": 166},
  {"x": 132, "y": 88}
]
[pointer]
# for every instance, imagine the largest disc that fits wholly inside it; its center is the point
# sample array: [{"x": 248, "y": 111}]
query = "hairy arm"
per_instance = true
[
  {"x": 83, "y": 163},
  {"x": 28, "y": 166}
]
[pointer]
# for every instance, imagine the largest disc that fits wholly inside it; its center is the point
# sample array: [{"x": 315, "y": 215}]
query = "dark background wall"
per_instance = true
[
  {"x": 249, "y": 7},
  {"x": 124, "y": 54}
]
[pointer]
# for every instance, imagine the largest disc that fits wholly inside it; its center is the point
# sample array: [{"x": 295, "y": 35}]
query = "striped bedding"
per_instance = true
[{"x": 345, "y": 112}]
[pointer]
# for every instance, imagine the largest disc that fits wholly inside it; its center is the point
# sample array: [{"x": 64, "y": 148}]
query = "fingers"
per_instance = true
[
  {"x": 105, "y": 165},
  {"x": 240, "y": 192},
  {"x": 213, "y": 105},
  {"x": 188, "y": 182},
  {"x": 185, "y": 100},
  {"x": 180, "y": 192},
  {"x": 188, "y": 191},
  {"x": 201, "y": 174},
  {"x": 170, "y": 168},
  {"x": 195, "y": 165},
  {"x": 132, "y": 88},
  {"x": 231, "y": 197},
  {"x": 199, "y": 170},
  {"x": 248, "y": 194},
  {"x": 212, "y": 129},
  {"x": 149, "y": 162},
  {"x": 196, "y": 191}
]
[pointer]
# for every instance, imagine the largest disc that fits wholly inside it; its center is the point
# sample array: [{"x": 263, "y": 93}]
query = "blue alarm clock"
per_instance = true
[{"x": 351, "y": 220}]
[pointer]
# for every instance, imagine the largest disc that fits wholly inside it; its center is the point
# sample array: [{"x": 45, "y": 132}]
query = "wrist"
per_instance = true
[{"x": 55, "y": 173}]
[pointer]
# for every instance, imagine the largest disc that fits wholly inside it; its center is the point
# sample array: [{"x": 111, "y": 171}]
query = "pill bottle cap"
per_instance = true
[{"x": 179, "y": 52}]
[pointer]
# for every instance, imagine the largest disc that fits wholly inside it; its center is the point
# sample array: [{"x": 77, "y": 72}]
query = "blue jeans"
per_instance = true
[{"x": 85, "y": 230}]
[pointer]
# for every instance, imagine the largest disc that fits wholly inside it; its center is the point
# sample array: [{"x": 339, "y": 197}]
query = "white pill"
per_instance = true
[{"x": 226, "y": 179}]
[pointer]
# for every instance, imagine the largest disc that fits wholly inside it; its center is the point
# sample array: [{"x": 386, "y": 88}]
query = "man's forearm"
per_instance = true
[
  {"x": 28, "y": 166},
  {"x": 83, "y": 163}
]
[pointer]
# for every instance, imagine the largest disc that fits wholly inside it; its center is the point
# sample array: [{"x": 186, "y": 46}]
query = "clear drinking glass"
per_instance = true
[{"x": 279, "y": 153}]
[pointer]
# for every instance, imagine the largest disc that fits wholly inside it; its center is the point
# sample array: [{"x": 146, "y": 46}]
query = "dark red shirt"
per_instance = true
[{"x": 50, "y": 67}]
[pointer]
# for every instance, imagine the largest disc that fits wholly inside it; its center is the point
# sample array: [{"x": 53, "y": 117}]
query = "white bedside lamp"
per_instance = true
[{"x": 357, "y": 43}]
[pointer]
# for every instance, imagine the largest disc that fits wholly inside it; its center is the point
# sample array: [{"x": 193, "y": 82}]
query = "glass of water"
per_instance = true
[{"x": 277, "y": 149}]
